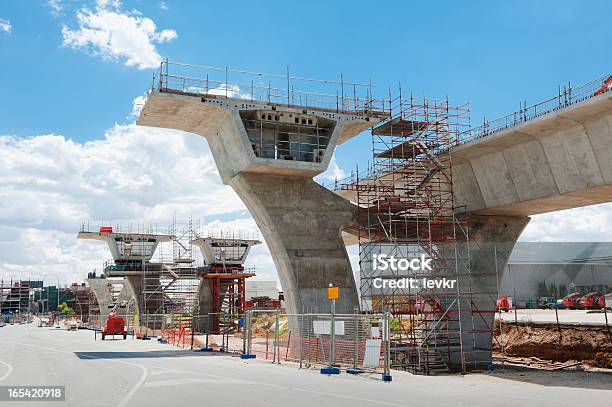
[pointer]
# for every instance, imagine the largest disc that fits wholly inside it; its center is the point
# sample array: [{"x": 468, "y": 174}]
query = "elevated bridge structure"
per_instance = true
[{"x": 269, "y": 138}]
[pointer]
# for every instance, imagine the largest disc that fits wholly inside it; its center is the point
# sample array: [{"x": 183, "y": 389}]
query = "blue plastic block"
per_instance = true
[
  {"x": 330, "y": 370},
  {"x": 247, "y": 356},
  {"x": 386, "y": 378},
  {"x": 354, "y": 370}
]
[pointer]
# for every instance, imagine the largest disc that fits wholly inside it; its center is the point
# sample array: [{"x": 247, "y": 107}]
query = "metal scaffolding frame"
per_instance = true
[
  {"x": 15, "y": 298},
  {"x": 407, "y": 209},
  {"x": 170, "y": 285}
]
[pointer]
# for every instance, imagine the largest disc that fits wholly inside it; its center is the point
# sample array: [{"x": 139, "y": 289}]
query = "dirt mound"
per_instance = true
[{"x": 592, "y": 346}]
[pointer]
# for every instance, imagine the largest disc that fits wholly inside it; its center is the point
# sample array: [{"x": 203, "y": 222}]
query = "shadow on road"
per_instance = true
[{"x": 154, "y": 354}]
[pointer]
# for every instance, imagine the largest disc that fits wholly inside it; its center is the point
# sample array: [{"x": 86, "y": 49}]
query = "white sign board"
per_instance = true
[
  {"x": 324, "y": 327},
  {"x": 375, "y": 332},
  {"x": 371, "y": 357}
]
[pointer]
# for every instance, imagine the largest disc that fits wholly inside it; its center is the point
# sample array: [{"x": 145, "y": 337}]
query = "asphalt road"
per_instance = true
[{"x": 147, "y": 373}]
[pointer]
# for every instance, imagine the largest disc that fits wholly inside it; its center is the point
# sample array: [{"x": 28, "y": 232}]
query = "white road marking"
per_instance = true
[
  {"x": 8, "y": 373},
  {"x": 193, "y": 380},
  {"x": 127, "y": 396},
  {"x": 136, "y": 387}
]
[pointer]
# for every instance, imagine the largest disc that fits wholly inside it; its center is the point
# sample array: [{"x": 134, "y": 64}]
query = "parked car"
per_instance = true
[
  {"x": 44, "y": 321},
  {"x": 588, "y": 301},
  {"x": 559, "y": 304},
  {"x": 72, "y": 325},
  {"x": 504, "y": 304},
  {"x": 547, "y": 302},
  {"x": 570, "y": 300}
]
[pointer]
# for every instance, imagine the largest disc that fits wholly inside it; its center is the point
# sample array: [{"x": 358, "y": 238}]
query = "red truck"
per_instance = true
[
  {"x": 603, "y": 300},
  {"x": 114, "y": 326},
  {"x": 570, "y": 301},
  {"x": 588, "y": 301}
]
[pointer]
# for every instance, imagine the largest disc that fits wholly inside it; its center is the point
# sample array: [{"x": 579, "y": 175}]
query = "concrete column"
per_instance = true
[
  {"x": 99, "y": 286},
  {"x": 149, "y": 303},
  {"x": 302, "y": 223},
  {"x": 492, "y": 239}
]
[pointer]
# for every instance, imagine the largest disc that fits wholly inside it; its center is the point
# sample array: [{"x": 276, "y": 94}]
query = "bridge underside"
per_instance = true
[{"x": 559, "y": 161}]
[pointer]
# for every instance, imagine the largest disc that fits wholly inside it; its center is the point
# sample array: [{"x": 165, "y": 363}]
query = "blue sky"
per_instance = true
[
  {"x": 494, "y": 54},
  {"x": 71, "y": 71}
]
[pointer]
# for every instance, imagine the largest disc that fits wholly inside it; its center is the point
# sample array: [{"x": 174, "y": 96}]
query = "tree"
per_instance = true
[{"x": 63, "y": 308}]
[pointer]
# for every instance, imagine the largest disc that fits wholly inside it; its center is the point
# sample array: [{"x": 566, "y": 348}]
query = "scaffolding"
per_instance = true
[
  {"x": 408, "y": 210},
  {"x": 86, "y": 306},
  {"x": 170, "y": 285},
  {"x": 225, "y": 275},
  {"x": 15, "y": 298}
]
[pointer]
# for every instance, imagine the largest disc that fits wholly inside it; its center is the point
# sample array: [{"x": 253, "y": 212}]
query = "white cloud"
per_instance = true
[
  {"x": 229, "y": 90},
  {"x": 133, "y": 175},
  {"x": 332, "y": 173},
  {"x": 589, "y": 223},
  {"x": 112, "y": 34},
  {"x": 111, "y": 4},
  {"x": 137, "y": 105},
  {"x": 56, "y": 7},
  {"x": 163, "y": 5},
  {"x": 5, "y": 25}
]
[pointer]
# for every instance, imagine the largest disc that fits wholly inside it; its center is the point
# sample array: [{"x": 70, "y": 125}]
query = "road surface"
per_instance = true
[{"x": 147, "y": 373}]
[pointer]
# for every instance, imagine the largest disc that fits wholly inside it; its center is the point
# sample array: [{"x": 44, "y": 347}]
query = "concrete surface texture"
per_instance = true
[
  {"x": 103, "y": 295},
  {"x": 149, "y": 302},
  {"x": 558, "y": 161},
  {"x": 300, "y": 221},
  {"x": 146, "y": 373},
  {"x": 128, "y": 246},
  {"x": 491, "y": 240}
]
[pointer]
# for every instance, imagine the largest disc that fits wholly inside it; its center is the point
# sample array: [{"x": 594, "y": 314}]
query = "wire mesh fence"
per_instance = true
[{"x": 355, "y": 342}]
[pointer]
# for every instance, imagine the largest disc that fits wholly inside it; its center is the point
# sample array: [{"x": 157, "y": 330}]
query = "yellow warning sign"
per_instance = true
[{"x": 333, "y": 293}]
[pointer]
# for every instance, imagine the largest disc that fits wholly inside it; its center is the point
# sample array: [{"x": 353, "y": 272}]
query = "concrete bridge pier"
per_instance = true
[
  {"x": 492, "y": 239},
  {"x": 148, "y": 300},
  {"x": 302, "y": 224},
  {"x": 269, "y": 153}
]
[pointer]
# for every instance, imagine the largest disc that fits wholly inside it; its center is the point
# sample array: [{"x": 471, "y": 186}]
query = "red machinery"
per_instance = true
[
  {"x": 262, "y": 303},
  {"x": 605, "y": 301},
  {"x": 503, "y": 304},
  {"x": 607, "y": 85},
  {"x": 570, "y": 301},
  {"x": 589, "y": 301},
  {"x": 114, "y": 326}
]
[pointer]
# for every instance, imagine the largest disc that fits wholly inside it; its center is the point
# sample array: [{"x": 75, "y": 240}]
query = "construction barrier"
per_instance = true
[{"x": 355, "y": 342}]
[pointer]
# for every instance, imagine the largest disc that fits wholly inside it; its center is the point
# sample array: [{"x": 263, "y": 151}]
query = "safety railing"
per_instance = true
[
  {"x": 340, "y": 96},
  {"x": 567, "y": 95}
]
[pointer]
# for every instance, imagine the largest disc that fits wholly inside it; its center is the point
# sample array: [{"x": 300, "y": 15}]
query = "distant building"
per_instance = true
[
  {"x": 541, "y": 269},
  {"x": 255, "y": 288}
]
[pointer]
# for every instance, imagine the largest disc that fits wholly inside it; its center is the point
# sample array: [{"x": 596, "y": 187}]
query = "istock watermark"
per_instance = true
[
  {"x": 401, "y": 264},
  {"x": 441, "y": 283},
  {"x": 383, "y": 262}
]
